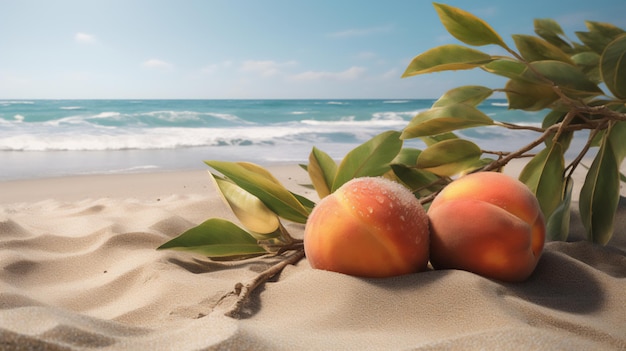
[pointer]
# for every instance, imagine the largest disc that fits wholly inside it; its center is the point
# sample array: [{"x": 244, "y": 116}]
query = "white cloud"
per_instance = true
[
  {"x": 84, "y": 38},
  {"x": 359, "y": 32},
  {"x": 265, "y": 68},
  {"x": 351, "y": 73},
  {"x": 156, "y": 64}
]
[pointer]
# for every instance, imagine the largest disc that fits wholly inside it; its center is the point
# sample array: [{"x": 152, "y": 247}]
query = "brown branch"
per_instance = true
[
  {"x": 572, "y": 166},
  {"x": 504, "y": 160},
  {"x": 517, "y": 126},
  {"x": 243, "y": 291}
]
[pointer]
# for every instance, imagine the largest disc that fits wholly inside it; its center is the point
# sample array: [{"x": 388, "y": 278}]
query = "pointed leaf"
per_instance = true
[
  {"x": 369, "y": 159},
  {"x": 407, "y": 156},
  {"x": 613, "y": 67},
  {"x": 543, "y": 175},
  {"x": 430, "y": 140},
  {"x": 569, "y": 78},
  {"x": 606, "y": 30},
  {"x": 446, "y": 58},
  {"x": 445, "y": 119},
  {"x": 260, "y": 183},
  {"x": 536, "y": 49},
  {"x": 322, "y": 170},
  {"x": 557, "y": 225},
  {"x": 469, "y": 94},
  {"x": 466, "y": 27},
  {"x": 523, "y": 95},
  {"x": 551, "y": 31},
  {"x": 216, "y": 238},
  {"x": 589, "y": 63},
  {"x": 599, "y": 195},
  {"x": 506, "y": 67},
  {"x": 617, "y": 138},
  {"x": 251, "y": 212},
  {"x": 419, "y": 181},
  {"x": 449, "y": 157},
  {"x": 593, "y": 40}
]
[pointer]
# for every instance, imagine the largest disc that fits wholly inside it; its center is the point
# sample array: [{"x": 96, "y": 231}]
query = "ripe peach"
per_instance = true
[
  {"x": 369, "y": 227},
  {"x": 487, "y": 223}
]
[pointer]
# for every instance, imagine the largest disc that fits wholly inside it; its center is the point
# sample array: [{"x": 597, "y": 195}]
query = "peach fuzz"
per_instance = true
[
  {"x": 487, "y": 223},
  {"x": 369, "y": 227}
]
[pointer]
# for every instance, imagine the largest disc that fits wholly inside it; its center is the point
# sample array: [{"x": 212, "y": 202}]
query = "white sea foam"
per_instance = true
[
  {"x": 15, "y": 102},
  {"x": 396, "y": 102},
  {"x": 70, "y": 107},
  {"x": 75, "y": 134},
  {"x": 105, "y": 115}
]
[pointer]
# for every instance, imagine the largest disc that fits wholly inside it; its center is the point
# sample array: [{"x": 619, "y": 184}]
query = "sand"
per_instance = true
[{"x": 79, "y": 270}]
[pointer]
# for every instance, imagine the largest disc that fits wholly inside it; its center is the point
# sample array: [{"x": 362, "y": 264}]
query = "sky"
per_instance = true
[{"x": 250, "y": 49}]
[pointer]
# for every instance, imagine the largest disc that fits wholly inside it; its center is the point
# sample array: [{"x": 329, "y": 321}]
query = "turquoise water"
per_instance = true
[{"x": 40, "y": 138}]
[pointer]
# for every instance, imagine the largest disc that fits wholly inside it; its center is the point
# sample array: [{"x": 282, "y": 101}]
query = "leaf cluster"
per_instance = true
[{"x": 547, "y": 72}]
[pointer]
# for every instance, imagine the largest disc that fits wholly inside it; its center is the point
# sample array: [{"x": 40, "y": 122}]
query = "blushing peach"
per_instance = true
[
  {"x": 369, "y": 227},
  {"x": 487, "y": 223}
]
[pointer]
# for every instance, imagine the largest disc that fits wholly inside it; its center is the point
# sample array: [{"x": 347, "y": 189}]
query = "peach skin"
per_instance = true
[
  {"x": 369, "y": 227},
  {"x": 487, "y": 223}
]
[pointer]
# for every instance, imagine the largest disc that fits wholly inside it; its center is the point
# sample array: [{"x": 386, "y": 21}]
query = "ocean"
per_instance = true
[{"x": 48, "y": 138}]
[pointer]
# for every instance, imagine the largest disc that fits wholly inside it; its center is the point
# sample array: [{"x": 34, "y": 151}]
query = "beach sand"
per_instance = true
[{"x": 79, "y": 270}]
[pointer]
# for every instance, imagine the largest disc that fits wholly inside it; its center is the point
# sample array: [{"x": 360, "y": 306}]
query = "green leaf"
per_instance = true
[
  {"x": 505, "y": 67},
  {"x": 469, "y": 94},
  {"x": 557, "y": 225},
  {"x": 260, "y": 183},
  {"x": 589, "y": 63},
  {"x": 446, "y": 58},
  {"x": 430, "y": 140},
  {"x": 419, "y": 181},
  {"x": 251, "y": 212},
  {"x": 466, "y": 27},
  {"x": 599, "y": 195},
  {"x": 613, "y": 67},
  {"x": 523, "y": 95},
  {"x": 569, "y": 78},
  {"x": 449, "y": 157},
  {"x": 551, "y": 31},
  {"x": 407, "y": 156},
  {"x": 599, "y": 35},
  {"x": 369, "y": 159},
  {"x": 536, "y": 49},
  {"x": 445, "y": 119},
  {"x": 617, "y": 138},
  {"x": 594, "y": 41},
  {"x": 216, "y": 238},
  {"x": 565, "y": 138},
  {"x": 543, "y": 175},
  {"x": 606, "y": 30},
  {"x": 322, "y": 170}
]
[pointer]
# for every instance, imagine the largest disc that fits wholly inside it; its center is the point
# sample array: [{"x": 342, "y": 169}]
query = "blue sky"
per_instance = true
[{"x": 232, "y": 49}]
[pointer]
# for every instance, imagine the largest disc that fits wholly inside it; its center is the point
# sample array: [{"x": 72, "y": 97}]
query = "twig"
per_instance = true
[
  {"x": 504, "y": 160},
  {"x": 243, "y": 291}
]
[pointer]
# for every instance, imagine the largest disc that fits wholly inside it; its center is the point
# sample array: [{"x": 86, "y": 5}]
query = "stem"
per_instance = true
[
  {"x": 504, "y": 160},
  {"x": 517, "y": 126},
  {"x": 243, "y": 291},
  {"x": 572, "y": 166}
]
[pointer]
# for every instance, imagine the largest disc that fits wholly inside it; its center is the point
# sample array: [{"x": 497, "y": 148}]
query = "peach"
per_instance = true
[
  {"x": 369, "y": 227},
  {"x": 487, "y": 223}
]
